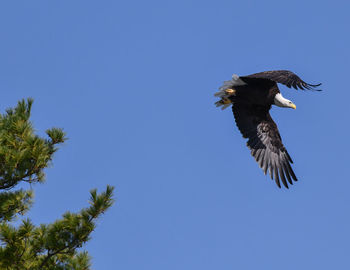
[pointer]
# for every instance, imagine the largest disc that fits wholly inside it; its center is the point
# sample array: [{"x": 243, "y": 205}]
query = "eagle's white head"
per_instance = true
[{"x": 280, "y": 101}]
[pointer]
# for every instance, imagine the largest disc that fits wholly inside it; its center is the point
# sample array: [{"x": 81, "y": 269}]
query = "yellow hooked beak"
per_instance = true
[{"x": 293, "y": 106}]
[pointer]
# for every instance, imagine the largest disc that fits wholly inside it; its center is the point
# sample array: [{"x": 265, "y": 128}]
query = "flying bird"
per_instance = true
[{"x": 251, "y": 98}]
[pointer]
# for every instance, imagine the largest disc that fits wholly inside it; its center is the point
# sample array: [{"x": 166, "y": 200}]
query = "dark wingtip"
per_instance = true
[
  {"x": 278, "y": 184},
  {"x": 312, "y": 86},
  {"x": 285, "y": 185},
  {"x": 315, "y": 85}
]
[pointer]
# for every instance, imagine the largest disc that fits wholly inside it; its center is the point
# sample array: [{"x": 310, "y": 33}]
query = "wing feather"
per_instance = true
[
  {"x": 290, "y": 170},
  {"x": 261, "y": 158},
  {"x": 266, "y": 162},
  {"x": 287, "y": 173},
  {"x": 285, "y": 77},
  {"x": 283, "y": 178},
  {"x": 265, "y": 142},
  {"x": 277, "y": 180}
]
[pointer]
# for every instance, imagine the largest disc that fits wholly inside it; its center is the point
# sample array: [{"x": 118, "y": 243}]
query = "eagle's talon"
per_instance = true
[
  {"x": 226, "y": 101},
  {"x": 230, "y": 91}
]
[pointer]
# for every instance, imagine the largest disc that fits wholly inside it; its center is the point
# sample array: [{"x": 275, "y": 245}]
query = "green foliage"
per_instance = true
[
  {"x": 23, "y": 157},
  {"x": 13, "y": 203}
]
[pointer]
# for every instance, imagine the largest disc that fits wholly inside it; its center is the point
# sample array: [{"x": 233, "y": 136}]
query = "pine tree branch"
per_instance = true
[
  {"x": 23, "y": 157},
  {"x": 49, "y": 256},
  {"x": 10, "y": 183}
]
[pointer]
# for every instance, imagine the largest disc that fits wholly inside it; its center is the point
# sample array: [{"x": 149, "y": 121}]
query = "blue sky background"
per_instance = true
[{"x": 132, "y": 84}]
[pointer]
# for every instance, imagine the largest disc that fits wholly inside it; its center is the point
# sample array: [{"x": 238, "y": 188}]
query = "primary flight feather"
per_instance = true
[{"x": 251, "y": 98}]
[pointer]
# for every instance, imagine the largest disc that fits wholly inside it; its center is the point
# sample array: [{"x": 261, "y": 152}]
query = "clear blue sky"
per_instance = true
[{"x": 132, "y": 84}]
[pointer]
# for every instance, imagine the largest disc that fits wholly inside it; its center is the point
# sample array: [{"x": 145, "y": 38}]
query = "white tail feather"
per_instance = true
[
  {"x": 236, "y": 81},
  {"x": 223, "y": 94}
]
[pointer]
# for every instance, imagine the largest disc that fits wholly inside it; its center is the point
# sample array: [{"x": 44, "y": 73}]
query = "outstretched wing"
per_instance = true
[
  {"x": 285, "y": 77},
  {"x": 264, "y": 141}
]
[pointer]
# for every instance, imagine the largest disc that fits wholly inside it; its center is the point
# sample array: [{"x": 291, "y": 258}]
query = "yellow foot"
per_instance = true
[
  {"x": 230, "y": 91},
  {"x": 225, "y": 101}
]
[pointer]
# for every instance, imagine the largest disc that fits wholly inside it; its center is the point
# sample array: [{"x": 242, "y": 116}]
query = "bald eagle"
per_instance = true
[{"x": 251, "y": 98}]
